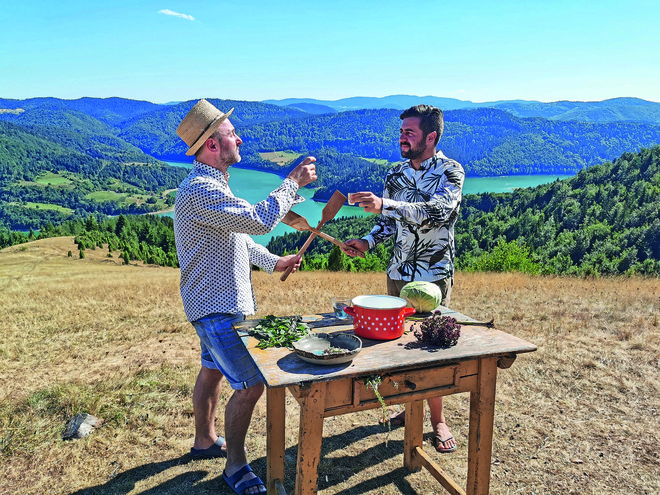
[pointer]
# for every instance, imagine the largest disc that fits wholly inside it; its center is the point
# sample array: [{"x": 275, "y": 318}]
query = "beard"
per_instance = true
[
  {"x": 231, "y": 157},
  {"x": 413, "y": 152}
]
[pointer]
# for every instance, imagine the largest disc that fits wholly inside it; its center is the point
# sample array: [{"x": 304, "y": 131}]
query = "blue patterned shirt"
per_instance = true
[
  {"x": 211, "y": 228},
  {"x": 420, "y": 208}
]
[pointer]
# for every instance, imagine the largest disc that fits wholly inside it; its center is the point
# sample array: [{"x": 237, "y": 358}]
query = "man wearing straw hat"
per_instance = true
[{"x": 212, "y": 231}]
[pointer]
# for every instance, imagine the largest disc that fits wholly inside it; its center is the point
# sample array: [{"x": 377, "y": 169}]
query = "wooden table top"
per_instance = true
[{"x": 281, "y": 367}]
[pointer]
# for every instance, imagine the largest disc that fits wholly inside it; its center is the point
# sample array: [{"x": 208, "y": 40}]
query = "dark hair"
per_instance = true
[{"x": 431, "y": 119}]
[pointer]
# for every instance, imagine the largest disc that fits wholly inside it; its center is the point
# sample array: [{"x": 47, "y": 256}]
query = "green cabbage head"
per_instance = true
[{"x": 423, "y": 296}]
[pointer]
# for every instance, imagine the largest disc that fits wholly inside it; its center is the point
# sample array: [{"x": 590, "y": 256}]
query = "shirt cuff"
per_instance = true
[
  {"x": 292, "y": 187},
  {"x": 389, "y": 208},
  {"x": 269, "y": 263},
  {"x": 370, "y": 240}
]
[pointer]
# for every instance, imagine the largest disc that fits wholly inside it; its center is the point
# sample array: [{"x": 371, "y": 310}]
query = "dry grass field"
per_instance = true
[{"x": 580, "y": 415}]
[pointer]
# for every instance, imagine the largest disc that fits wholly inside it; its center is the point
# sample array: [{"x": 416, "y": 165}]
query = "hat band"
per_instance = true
[{"x": 208, "y": 127}]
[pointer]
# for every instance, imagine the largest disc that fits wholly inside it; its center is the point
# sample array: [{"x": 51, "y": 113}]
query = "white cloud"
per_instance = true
[{"x": 176, "y": 14}]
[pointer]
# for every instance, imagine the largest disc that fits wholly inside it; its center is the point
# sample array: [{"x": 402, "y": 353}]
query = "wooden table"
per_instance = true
[{"x": 409, "y": 373}]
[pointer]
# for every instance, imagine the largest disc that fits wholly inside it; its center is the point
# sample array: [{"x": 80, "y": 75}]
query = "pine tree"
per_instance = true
[{"x": 336, "y": 262}]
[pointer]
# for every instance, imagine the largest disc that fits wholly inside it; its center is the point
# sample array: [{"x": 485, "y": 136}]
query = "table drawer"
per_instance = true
[
  {"x": 398, "y": 388},
  {"x": 414, "y": 382}
]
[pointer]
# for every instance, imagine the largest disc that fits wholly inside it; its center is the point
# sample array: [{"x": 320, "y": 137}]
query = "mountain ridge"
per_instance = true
[
  {"x": 114, "y": 110},
  {"x": 107, "y": 153},
  {"x": 625, "y": 108}
]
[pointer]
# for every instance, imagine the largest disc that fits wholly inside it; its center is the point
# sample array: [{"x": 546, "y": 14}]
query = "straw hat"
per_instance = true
[{"x": 198, "y": 125}]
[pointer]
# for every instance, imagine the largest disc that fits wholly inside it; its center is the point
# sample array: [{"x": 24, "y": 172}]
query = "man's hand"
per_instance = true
[
  {"x": 357, "y": 245},
  {"x": 369, "y": 201},
  {"x": 305, "y": 172},
  {"x": 289, "y": 260}
]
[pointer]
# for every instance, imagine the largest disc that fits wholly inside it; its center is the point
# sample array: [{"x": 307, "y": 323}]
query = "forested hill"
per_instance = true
[
  {"x": 492, "y": 142},
  {"x": 65, "y": 159},
  {"x": 611, "y": 110},
  {"x": 605, "y": 220},
  {"x": 51, "y": 174},
  {"x": 113, "y": 147},
  {"x": 486, "y": 141},
  {"x": 155, "y": 132},
  {"x": 111, "y": 111}
]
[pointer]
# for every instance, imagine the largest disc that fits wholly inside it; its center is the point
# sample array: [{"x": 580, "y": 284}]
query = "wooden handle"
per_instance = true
[
  {"x": 286, "y": 273},
  {"x": 335, "y": 241},
  {"x": 289, "y": 269}
]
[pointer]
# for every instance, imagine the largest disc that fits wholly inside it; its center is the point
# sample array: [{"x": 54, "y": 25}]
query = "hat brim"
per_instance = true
[{"x": 213, "y": 126}]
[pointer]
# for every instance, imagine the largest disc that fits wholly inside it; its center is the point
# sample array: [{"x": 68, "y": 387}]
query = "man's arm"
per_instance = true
[
  {"x": 214, "y": 205},
  {"x": 384, "y": 228},
  {"x": 436, "y": 210},
  {"x": 439, "y": 208},
  {"x": 269, "y": 262}
]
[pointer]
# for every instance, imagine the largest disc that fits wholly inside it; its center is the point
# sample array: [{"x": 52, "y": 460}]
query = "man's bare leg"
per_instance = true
[
  {"x": 238, "y": 415},
  {"x": 205, "y": 403}
]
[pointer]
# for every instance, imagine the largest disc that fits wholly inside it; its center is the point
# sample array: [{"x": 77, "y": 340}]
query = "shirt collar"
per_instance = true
[
  {"x": 429, "y": 162},
  {"x": 209, "y": 170}
]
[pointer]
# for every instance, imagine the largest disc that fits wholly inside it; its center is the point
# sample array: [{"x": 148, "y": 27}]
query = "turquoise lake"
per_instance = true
[{"x": 254, "y": 186}]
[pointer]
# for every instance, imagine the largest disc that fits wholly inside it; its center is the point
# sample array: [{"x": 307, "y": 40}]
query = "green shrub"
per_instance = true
[{"x": 505, "y": 257}]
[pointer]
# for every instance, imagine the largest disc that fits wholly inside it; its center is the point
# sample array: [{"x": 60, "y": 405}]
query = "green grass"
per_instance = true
[
  {"x": 108, "y": 196},
  {"x": 51, "y": 179},
  {"x": 282, "y": 158},
  {"x": 15, "y": 111},
  {"x": 113, "y": 190},
  {"x": 43, "y": 206},
  {"x": 125, "y": 198},
  {"x": 378, "y": 161}
]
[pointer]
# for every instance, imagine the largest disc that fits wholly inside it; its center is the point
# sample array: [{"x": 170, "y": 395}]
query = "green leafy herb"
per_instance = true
[
  {"x": 334, "y": 350},
  {"x": 279, "y": 331},
  {"x": 373, "y": 382}
]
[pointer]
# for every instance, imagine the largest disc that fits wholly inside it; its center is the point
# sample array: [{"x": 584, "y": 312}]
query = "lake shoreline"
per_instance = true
[{"x": 255, "y": 185}]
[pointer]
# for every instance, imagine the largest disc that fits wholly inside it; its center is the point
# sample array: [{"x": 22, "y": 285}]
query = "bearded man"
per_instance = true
[{"x": 419, "y": 207}]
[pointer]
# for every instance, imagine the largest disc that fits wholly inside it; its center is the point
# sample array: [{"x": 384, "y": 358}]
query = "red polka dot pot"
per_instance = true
[{"x": 379, "y": 317}]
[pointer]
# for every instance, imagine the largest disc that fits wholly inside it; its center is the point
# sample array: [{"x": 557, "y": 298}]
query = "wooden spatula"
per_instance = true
[
  {"x": 331, "y": 208},
  {"x": 298, "y": 222}
]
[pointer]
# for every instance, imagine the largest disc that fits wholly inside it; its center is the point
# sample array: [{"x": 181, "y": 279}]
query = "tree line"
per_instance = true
[
  {"x": 88, "y": 164},
  {"x": 603, "y": 221},
  {"x": 113, "y": 141}
]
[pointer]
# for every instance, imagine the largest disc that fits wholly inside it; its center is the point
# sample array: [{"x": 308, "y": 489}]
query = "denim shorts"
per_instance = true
[{"x": 223, "y": 350}]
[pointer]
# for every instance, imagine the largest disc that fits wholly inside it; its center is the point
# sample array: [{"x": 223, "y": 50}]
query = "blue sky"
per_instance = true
[{"x": 173, "y": 50}]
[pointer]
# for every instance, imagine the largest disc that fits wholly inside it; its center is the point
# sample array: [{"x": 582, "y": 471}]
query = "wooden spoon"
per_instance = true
[
  {"x": 331, "y": 208},
  {"x": 298, "y": 222}
]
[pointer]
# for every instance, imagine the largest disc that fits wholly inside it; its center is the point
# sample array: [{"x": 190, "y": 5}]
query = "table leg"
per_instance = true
[
  {"x": 480, "y": 445},
  {"x": 312, "y": 409},
  {"x": 275, "y": 438},
  {"x": 414, "y": 434},
  {"x": 414, "y": 457}
]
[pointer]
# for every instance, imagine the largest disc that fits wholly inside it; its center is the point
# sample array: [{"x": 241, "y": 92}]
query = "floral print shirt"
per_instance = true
[
  {"x": 420, "y": 208},
  {"x": 215, "y": 250}
]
